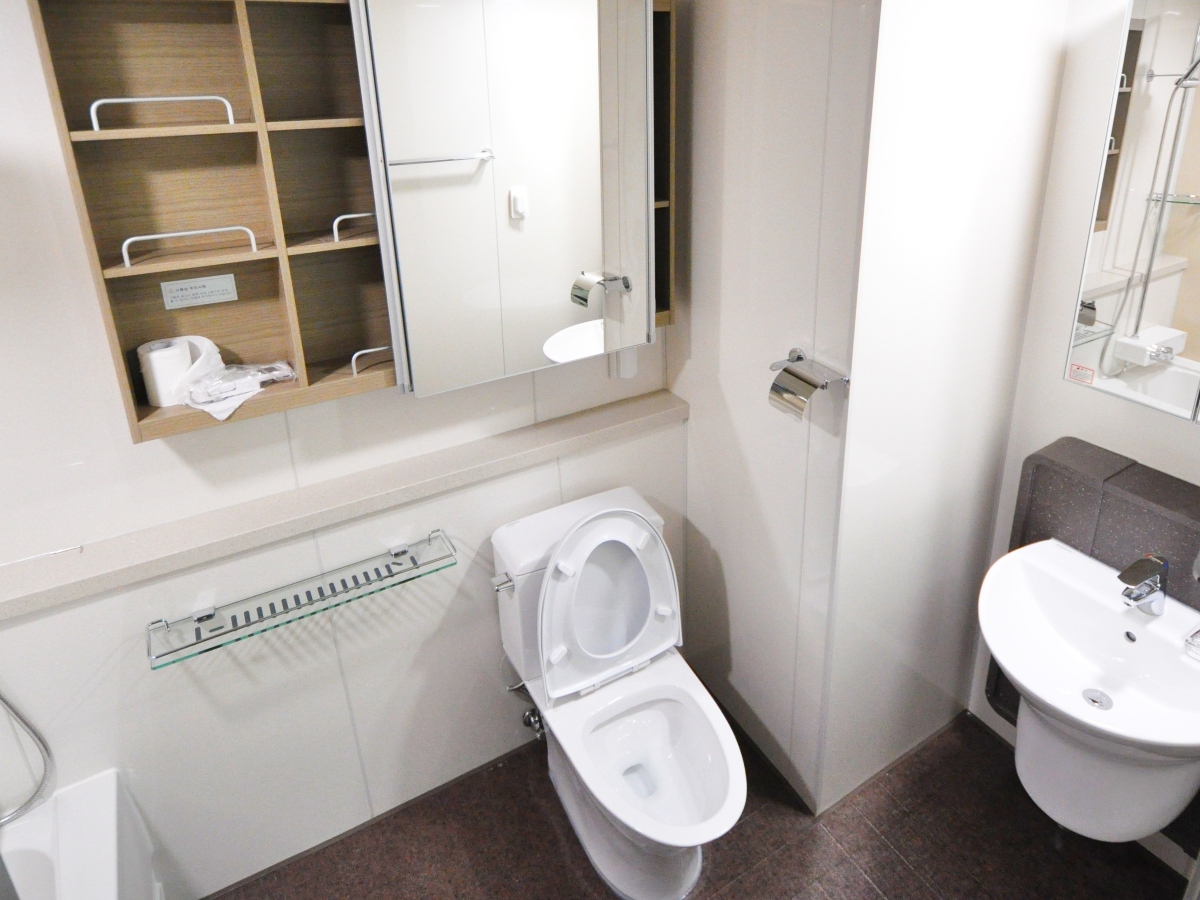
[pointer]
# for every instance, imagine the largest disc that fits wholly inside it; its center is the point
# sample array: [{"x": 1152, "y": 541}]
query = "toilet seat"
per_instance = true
[
  {"x": 609, "y": 602},
  {"x": 655, "y": 752}
]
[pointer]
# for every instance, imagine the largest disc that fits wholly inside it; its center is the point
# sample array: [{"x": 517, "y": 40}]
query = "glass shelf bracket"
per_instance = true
[{"x": 213, "y": 627}]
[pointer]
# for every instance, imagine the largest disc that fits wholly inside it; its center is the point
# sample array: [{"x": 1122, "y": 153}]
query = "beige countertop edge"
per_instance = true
[{"x": 36, "y": 585}]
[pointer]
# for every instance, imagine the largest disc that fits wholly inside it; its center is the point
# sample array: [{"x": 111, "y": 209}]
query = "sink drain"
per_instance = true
[{"x": 1098, "y": 699}]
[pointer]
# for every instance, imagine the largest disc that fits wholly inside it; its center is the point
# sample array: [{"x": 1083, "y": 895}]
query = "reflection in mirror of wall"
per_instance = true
[
  {"x": 1137, "y": 329},
  {"x": 513, "y": 138}
]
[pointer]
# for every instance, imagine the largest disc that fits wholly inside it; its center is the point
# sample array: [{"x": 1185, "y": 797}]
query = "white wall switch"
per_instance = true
[{"x": 518, "y": 203}]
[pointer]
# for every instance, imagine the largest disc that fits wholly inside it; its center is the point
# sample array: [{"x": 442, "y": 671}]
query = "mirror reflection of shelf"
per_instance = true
[
  {"x": 1185, "y": 199},
  {"x": 215, "y": 627},
  {"x": 1085, "y": 334}
]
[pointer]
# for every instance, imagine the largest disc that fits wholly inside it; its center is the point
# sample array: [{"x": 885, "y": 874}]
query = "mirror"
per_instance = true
[
  {"x": 1137, "y": 329},
  {"x": 512, "y": 142}
]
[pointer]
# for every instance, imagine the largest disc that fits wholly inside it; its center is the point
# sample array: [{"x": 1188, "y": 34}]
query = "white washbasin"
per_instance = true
[
  {"x": 576, "y": 342},
  {"x": 1119, "y": 766}
]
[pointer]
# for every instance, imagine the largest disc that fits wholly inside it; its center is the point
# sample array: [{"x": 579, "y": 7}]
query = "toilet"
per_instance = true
[{"x": 645, "y": 765}]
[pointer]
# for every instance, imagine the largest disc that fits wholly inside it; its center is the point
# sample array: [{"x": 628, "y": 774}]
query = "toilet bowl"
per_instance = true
[{"x": 645, "y": 765}]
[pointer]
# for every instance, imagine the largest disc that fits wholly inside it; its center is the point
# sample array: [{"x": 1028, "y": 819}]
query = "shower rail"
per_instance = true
[{"x": 213, "y": 627}]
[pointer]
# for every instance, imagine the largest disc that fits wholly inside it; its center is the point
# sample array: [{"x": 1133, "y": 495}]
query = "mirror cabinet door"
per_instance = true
[
  {"x": 515, "y": 140},
  {"x": 1137, "y": 328}
]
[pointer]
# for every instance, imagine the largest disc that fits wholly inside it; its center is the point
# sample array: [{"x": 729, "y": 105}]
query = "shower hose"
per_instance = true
[{"x": 47, "y": 766}]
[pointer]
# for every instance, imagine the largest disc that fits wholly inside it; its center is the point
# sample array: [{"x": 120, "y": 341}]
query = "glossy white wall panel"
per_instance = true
[
  {"x": 432, "y": 83},
  {"x": 422, "y": 662},
  {"x": 932, "y": 373},
  {"x": 543, "y": 76},
  {"x": 758, "y": 144},
  {"x": 432, "y": 77}
]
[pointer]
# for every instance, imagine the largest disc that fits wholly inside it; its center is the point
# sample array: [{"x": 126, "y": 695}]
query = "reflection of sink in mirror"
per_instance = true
[
  {"x": 1170, "y": 387},
  {"x": 1108, "y": 733},
  {"x": 576, "y": 342}
]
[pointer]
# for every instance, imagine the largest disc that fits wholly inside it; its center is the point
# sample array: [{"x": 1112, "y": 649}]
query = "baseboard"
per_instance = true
[{"x": 1170, "y": 853}]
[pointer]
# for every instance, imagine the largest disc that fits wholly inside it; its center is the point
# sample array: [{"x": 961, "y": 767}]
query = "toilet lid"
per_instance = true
[{"x": 609, "y": 602}]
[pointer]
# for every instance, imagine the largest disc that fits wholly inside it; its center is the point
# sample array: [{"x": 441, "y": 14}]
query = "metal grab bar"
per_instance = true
[
  {"x": 340, "y": 219},
  {"x": 354, "y": 358},
  {"x": 174, "y": 234},
  {"x": 485, "y": 154},
  {"x": 181, "y": 99}
]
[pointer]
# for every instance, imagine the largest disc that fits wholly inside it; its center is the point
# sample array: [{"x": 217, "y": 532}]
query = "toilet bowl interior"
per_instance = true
[{"x": 658, "y": 752}]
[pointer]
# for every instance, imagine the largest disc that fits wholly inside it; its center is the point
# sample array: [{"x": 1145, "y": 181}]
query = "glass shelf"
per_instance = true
[
  {"x": 1085, "y": 334},
  {"x": 208, "y": 629},
  {"x": 1185, "y": 199}
]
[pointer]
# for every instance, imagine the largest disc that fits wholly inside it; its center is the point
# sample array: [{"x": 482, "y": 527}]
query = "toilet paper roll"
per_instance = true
[
  {"x": 160, "y": 362},
  {"x": 163, "y": 364}
]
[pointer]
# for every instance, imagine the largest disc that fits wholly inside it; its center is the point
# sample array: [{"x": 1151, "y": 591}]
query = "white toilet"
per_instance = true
[{"x": 644, "y": 762}]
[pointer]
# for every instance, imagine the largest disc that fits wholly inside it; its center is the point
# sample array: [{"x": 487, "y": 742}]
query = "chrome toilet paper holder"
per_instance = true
[{"x": 799, "y": 379}]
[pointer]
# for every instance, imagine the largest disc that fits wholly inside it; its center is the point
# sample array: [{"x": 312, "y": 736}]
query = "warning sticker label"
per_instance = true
[{"x": 1082, "y": 374}]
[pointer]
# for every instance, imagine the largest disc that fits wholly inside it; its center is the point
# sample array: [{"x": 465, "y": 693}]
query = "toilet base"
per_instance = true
[{"x": 634, "y": 867}]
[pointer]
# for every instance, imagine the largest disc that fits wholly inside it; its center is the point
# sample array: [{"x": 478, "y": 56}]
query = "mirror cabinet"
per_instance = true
[{"x": 214, "y": 138}]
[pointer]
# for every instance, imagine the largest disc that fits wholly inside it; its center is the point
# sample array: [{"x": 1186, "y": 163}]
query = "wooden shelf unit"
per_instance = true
[{"x": 293, "y": 160}]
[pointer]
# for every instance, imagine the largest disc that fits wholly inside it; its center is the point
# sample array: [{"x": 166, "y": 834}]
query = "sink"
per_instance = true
[
  {"x": 576, "y": 342},
  {"x": 1108, "y": 728}
]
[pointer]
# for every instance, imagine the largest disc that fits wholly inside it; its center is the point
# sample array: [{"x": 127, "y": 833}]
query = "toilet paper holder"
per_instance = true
[{"x": 799, "y": 379}]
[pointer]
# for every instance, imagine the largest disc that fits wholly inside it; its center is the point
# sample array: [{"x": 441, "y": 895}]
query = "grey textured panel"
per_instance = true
[
  {"x": 1060, "y": 506},
  {"x": 1131, "y": 527},
  {"x": 1060, "y": 492},
  {"x": 1172, "y": 497}
]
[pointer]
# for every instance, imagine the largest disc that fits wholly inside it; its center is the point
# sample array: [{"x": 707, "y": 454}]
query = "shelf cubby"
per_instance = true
[
  {"x": 125, "y": 48},
  {"x": 175, "y": 184},
  {"x": 253, "y": 328},
  {"x": 342, "y": 309},
  {"x": 320, "y": 175},
  {"x": 307, "y": 64}
]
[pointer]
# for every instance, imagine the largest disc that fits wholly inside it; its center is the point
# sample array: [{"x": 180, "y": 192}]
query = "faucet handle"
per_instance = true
[{"x": 1149, "y": 567}]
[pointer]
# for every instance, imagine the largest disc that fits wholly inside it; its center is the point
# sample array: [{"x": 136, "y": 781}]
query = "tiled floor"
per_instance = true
[{"x": 949, "y": 821}]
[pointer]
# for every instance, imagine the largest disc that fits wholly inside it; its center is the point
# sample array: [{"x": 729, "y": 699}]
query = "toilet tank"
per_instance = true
[{"x": 522, "y": 550}]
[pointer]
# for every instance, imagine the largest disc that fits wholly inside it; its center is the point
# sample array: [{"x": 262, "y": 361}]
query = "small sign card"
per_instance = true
[{"x": 199, "y": 291}]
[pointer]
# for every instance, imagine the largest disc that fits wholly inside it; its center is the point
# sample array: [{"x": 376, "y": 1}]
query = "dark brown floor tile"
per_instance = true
[
  {"x": 788, "y": 872},
  {"x": 877, "y": 859},
  {"x": 755, "y": 837},
  {"x": 846, "y": 881},
  {"x": 949, "y": 822}
]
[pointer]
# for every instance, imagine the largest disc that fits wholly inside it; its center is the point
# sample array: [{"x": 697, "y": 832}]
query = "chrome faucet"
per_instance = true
[
  {"x": 1161, "y": 354},
  {"x": 1147, "y": 580}
]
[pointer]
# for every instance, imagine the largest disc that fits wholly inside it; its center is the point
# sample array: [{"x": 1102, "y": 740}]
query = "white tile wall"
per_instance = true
[
  {"x": 71, "y": 473},
  {"x": 252, "y": 753}
]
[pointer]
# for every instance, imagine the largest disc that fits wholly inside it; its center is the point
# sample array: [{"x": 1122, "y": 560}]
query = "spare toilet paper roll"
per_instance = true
[
  {"x": 164, "y": 363},
  {"x": 168, "y": 366}
]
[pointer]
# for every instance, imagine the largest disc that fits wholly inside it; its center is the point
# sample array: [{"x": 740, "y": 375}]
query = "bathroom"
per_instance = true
[{"x": 782, "y": 302}]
